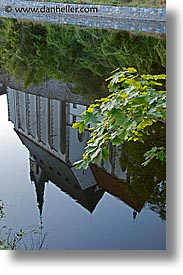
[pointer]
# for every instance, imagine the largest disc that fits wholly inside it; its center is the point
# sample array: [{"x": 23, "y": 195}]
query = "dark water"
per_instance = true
[{"x": 116, "y": 205}]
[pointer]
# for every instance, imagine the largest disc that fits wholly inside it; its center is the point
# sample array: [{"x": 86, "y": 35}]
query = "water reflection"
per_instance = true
[
  {"x": 61, "y": 68},
  {"x": 44, "y": 125},
  {"x": 33, "y": 52},
  {"x": 3, "y": 89}
]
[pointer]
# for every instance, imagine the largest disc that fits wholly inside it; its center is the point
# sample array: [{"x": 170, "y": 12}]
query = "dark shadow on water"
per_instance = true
[{"x": 171, "y": 254}]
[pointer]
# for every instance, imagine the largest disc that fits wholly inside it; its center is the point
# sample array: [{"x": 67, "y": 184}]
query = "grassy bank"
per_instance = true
[{"x": 135, "y": 3}]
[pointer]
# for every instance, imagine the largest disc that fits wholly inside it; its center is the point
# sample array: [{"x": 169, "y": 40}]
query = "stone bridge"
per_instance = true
[{"x": 102, "y": 16}]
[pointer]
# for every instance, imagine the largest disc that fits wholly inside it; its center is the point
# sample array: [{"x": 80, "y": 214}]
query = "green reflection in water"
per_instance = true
[
  {"x": 148, "y": 181},
  {"x": 33, "y": 52}
]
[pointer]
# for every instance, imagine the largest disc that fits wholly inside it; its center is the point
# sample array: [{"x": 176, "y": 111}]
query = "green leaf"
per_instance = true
[
  {"x": 131, "y": 70},
  {"x": 79, "y": 164},
  {"x": 95, "y": 154},
  {"x": 160, "y": 76},
  {"x": 105, "y": 153},
  {"x": 76, "y": 125},
  {"x": 144, "y": 123},
  {"x": 81, "y": 127},
  {"x": 116, "y": 141}
]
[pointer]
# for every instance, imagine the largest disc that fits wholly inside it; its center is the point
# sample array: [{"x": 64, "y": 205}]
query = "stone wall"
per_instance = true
[{"x": 124, "y": 18}]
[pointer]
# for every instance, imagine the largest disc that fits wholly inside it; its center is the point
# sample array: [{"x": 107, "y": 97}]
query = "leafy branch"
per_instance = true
[{"x": 134, "y": 103}]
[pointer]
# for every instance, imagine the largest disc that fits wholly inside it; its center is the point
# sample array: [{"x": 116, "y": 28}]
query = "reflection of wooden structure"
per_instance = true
[
  {"x": 119, "y": 188},
  {"x": 45, "y": 166},
  {"x": 44, "y": 126}
]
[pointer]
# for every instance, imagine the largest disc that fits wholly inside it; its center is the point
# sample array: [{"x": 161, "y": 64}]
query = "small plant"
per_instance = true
[
  {"x": 29, "y": 238},
  {"x": 135, "y": 102},
  {"x": 1, "y": 210}
]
